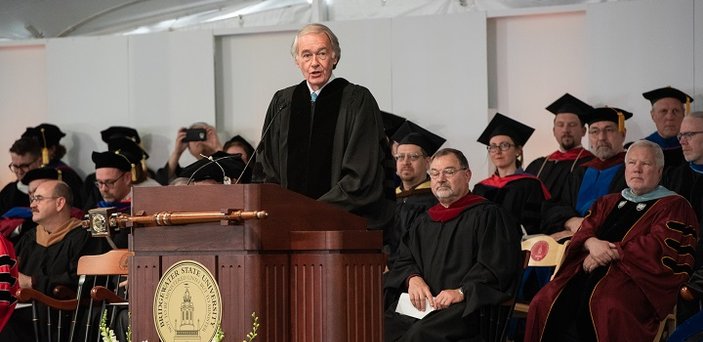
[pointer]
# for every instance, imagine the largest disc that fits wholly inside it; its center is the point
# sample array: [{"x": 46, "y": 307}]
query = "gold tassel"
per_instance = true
[
  {"x": 44, "y": 151},
  {"x": 134, "y": 173},
  {"x": 145, "y": 168},
  {"x": 688, "y": 105},
  {"x": 60, "y": 176},
  {"x": 621, "y": 122}
]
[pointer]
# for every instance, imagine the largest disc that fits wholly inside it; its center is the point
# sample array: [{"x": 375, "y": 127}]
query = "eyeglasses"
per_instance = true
[
  {"x": 39, "y": 198},
  {"x": 607, "y": 131},
  {"x": 411, "y": 156},
  {"x": 21, "y": 167},
  {"x": 321, "y": 55},
  {"x": 687, "y": 135},
  {"x": 504, "y": 146},
  {"x": 448, "y": 172},
  {"x": 108, "y": 183}
]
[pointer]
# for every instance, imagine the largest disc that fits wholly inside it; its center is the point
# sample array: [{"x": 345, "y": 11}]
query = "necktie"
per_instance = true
[{"x": 313, "y": 96}]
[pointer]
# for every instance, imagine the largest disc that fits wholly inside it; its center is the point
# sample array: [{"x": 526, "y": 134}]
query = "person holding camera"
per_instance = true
[{"x": 200, "y": 139}]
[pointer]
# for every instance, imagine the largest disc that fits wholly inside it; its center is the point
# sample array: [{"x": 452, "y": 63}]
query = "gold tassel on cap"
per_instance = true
[
  {"x": 133, "y": 169},
  {"x": 44, "y": 151},
  {"x": 688, "y": 105},
  {"x": 134, "y": 173},
  {"x": 621, "y": 120},
  {"x": 60, "y": 176}
]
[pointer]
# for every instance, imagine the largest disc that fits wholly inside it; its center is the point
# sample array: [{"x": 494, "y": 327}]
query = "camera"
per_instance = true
[{"x": 195, "y": 134}]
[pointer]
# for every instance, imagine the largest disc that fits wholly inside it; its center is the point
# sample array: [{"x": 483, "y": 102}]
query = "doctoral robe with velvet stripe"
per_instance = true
[
  {"x": 332, "y": 150},
  {"x": 625, "y": 300}
]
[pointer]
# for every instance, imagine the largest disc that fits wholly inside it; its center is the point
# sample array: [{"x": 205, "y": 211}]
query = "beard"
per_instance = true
[
  {"x": 567, "y": 142},
  {"x": 604, "y": 151},
  {"x": 443, "y": 191}
]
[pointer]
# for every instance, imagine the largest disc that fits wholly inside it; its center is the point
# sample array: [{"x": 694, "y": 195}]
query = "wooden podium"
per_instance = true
[{"x": 310, "y": 271}]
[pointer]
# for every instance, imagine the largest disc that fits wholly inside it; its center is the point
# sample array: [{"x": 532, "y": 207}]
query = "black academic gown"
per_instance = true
[
  {"x": 332, "y": 151},
  {"x": 555, "y": 173},
  {"x": 409, "y": 204},
  {"x": 11, "y": 197},
  {"x": 556, "y": 213},
  {"x": 477, "y": 251},
  {"x": 522, "y": 198}
]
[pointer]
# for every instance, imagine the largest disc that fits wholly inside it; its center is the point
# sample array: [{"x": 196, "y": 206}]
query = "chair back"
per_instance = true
[{"x": 545, "y": 252}]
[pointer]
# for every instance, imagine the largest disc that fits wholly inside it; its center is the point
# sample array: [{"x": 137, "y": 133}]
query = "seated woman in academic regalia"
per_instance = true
[
  {"x": 519, "y": 193},
  {"x": 624, "y": 267}
]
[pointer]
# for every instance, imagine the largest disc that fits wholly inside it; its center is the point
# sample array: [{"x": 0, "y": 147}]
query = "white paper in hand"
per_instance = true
[{"x": 405, "y": 307}]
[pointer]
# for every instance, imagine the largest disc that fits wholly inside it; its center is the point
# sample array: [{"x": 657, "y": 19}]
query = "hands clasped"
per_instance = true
[
  {"x": 600, "y": 253},
  {"x": 420, "y": 293}
]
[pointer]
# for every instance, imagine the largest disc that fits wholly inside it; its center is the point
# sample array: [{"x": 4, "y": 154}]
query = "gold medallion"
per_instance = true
[{"x": 187, "y": 303}]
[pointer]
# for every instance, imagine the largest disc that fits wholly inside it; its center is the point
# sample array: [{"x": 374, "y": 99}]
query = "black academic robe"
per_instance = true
[
  {"x": 478, "y": 250},
  {"x": 556, "y": 213},
  {"x": 555, "y": 173},
  {"x": 332, "y": 151},
  {"x": 11, "y": 197},
  {"x": 522, "y": 198},
  {"x": 409, "y": 204}
]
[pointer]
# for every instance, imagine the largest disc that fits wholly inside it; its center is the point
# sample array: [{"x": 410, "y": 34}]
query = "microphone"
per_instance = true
[
  {"x": 225, "y": 178},
  {"x": 263, "y": 137}
]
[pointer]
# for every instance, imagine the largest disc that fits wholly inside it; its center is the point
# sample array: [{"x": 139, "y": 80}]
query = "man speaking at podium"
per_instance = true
[{"x": 323, "y": 137}]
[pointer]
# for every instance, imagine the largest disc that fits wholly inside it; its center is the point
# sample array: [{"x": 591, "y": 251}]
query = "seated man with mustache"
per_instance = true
[{"x": 602, "y": 175}]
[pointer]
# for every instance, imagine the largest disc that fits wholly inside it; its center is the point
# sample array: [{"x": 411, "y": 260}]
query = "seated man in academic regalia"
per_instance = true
[
  {"x": 17, "y": 221},
  {"x": 669, "y": 106},
  {"x": 569, "y": 128},
  {"x": 463, "y": 254},
  {"x": 116, "y": 171},
  {"x": 623, "y": 269},
  {"x": 49, "y": 137},
  {"x": 602, "y": 175},
  {"x": 414, "y": 196},
  {"x": 687, "y": 180},
  {"x": 48, "y": 255},
  {"x": 114, "y": 137}
]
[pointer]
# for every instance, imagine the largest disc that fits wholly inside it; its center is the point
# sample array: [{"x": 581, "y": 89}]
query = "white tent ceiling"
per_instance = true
[{"x": 27, "y": 19}]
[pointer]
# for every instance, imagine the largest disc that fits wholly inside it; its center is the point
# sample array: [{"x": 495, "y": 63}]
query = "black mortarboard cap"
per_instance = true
[
  {"x": 41, "y": 173},
  {"x": 247, "y": 146},
  {"x": 129, "y": 148},
  {"x": 111, "y": 159},
  {"x": 613, "y": 114},
  {"x": 47, "y": 134},
  {"x": 419, "y": 136},
  {"x": 503, "y": 125},
  {"x": 205, "y": 168},
  {"x": 569, "y": 104},
  {"x": 391, "y": 123},
  {"x": 113, "y": 132},
  {"x": 410, "y": 127},
  {"x": 657, "y": 94}
]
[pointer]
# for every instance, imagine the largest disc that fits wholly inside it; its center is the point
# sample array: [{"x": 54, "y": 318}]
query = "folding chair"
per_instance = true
[{"x": 544, "y": 252}]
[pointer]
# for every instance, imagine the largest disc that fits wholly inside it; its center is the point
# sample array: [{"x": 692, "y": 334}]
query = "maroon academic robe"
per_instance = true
[{"x": 636, "y": 292}]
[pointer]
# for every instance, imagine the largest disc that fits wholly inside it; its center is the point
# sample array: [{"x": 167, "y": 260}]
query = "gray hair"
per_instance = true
[
  {"x": 656, "y": 150},
  {"x": 463, "y": 162},
  {"x": 318, "y": 29}
]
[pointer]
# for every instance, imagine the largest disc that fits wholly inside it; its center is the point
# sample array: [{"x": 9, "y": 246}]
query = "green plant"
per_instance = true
[{"x": 254, "y": 328}]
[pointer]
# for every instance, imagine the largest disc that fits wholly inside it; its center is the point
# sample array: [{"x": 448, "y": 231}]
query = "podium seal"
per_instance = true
[{"x": 187, "y": 303}]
